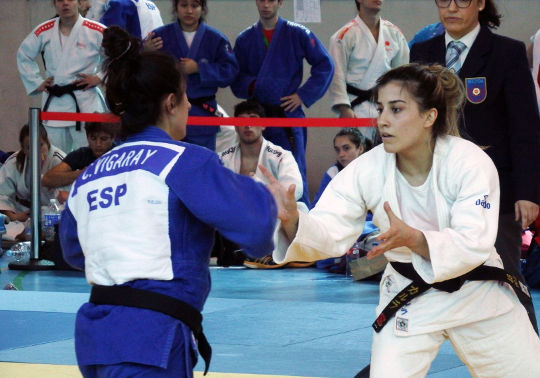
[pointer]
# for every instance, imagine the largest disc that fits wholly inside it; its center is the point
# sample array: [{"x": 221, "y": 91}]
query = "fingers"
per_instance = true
[
  {"x": 517, "y": 210},
  {"x": 269, "y": 176}
]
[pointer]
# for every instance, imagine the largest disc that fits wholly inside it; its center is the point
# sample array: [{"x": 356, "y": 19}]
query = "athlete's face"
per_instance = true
[
  {"x": 374, "y": 5},
  {"x": 403, "y": 128},
  {"x": 346, "y": 150},
  {"x": 44, "y": 149},
  {"x": 249, "y": 134},
  {"x": 66, "y": 8},
  {"x": 189, "y": 14},
  {"x": 100, "y": 142},
  {"x": 460, "y": 21},
  {"x": 268, "y": 9},
  {"x": 84, "y": 7}
]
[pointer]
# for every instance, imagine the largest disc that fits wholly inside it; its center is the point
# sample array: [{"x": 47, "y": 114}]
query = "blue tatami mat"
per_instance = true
[{"x": 294, "y": 322}]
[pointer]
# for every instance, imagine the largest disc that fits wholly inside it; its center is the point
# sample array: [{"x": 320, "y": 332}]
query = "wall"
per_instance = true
[{"x": 18, "y": 17}]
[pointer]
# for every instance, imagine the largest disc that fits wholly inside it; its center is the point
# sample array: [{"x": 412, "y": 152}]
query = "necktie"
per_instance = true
[{"x": 454, "y": 50}]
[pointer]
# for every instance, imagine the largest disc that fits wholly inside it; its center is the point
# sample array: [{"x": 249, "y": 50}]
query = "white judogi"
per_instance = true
[
  {"x": 360, "y": 60},
  {"x": 15, "y": 184},
  {"x": 277, "y": 160},
  {"x": 79, "y": 54},
  {"x": 466, "y": 193},
  {"x": 282, "y": 165}
]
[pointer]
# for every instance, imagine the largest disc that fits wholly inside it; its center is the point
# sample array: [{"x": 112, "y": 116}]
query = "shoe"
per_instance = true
[
  {"x": 265, "y": 262},
  {"x": 300, "y": 264}
]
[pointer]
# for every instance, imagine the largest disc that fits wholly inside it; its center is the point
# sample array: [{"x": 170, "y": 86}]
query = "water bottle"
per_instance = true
[
  {"x": 50, "y": 216},
  {"x": 2, "y": 231},
  {"x": 19, "y": 251}
]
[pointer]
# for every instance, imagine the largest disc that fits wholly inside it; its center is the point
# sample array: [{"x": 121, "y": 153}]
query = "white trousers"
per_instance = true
[
  {"x": 67, "y": 138},
  {"x": 505, "y": 346}
]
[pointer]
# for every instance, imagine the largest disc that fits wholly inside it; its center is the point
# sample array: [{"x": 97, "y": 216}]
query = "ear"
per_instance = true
[
  {"x": 170, "y": 103},
  {"x": 431, "y": 117},
  {"x": 481, "y": 5}
]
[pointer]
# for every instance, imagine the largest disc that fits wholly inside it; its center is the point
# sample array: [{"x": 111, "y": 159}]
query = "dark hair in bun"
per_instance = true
[{"x": 137, "y": 81}]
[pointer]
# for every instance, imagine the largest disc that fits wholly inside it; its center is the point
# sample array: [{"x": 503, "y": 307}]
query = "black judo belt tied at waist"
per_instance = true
[
  {"x": 361, "y": 95},
  {"x": 203, "y": 103},
  {"x": 276, "y": 111},
  {"x": 61, "y": 90},
  {"x": 419, "y": 286},
  {"x": 149, "y": 300}
]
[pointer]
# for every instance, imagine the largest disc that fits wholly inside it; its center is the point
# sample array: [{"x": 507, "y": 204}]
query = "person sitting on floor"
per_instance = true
[
  {"x": 15, "y": 180},
  {"x": 349, "y": 143},
  {"x": 247, "y": 155},
  {"x": 100, "y": 140}
]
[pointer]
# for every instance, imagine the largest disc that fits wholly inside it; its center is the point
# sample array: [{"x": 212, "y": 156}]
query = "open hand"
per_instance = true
[
  {"x": 290, "y": 103},
  {"x": 46, "y": 83},
  {"x": 86, "y": 81},
  {"x": 399, "y": 235},
  {"x": 526, "y": 212},
  {"x": 152, "y": 43}
]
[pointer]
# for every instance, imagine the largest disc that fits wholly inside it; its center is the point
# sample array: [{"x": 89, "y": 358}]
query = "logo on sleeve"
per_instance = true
[{"x": 483, "y": 202}]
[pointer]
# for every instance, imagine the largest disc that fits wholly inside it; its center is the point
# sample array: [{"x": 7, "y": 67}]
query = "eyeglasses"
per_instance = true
[{"x": 459, "y": 3}]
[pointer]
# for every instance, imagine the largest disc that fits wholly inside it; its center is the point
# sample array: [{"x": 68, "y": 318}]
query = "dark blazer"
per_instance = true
[{"x": 507, "y": 121}]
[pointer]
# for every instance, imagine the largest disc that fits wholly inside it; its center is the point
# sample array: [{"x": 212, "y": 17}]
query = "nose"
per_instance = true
[{"x": 453, "y": 6}]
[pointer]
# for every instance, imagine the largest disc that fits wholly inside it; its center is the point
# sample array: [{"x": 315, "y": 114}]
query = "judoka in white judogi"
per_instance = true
[
  {"x": 464, "y": 190},
  {"x": 64, "y": 58},
  {"x": 359, "y": 60},
  {"x": 281, "y": 164}
]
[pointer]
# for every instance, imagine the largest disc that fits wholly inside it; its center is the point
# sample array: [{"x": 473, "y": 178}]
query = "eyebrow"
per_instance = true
[{"x": 392, "y": 102}]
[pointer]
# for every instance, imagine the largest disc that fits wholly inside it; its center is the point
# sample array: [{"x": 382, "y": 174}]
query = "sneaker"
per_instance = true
[
  {"x": 265, "y": 262},
  {"x": 300, "y": 264}
]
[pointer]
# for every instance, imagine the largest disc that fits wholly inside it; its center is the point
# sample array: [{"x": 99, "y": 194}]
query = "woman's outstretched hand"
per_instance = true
[
  {"x": 399, "y": 235},
  {"x": 285, "y": 202}
]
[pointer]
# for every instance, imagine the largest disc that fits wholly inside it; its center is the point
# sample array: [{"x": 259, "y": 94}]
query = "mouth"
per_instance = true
[{"x": 386, "y": 136}]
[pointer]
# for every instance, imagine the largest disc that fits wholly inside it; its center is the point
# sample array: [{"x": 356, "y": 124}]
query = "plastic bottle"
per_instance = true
[
  {"x": 19, "y": 251},
  {"x": 2, "y": 231},
  {"x": 50, "y": 217}
]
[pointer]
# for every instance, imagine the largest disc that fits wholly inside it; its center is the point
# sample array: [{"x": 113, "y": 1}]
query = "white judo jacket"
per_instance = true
[
  {"x": 466, "y": 191},
  {"x": 80, "y": 54},
  {"x": 282, "y": 165}
]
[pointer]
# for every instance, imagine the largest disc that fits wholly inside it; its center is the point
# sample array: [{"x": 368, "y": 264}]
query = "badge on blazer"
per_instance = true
[{"x": 476, "y": 89}]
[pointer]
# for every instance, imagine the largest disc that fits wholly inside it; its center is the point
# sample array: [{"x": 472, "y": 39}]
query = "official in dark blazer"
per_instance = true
[{"x": 500, "y": 114}]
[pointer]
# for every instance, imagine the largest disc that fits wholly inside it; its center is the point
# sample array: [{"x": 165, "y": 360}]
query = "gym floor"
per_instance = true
[{"x": 261, "y": 323}]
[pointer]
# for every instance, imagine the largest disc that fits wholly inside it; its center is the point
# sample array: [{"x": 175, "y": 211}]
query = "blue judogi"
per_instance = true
[
  {"x": 144, "y": 215},
  {"x": 217, "y": 68},
  {"x": 277, "y": 72}
]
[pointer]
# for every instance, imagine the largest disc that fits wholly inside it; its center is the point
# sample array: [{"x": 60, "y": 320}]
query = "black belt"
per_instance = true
[
  {"x": 131, "y": 297},
  {"x": 203, "y": 103},
  {"x": 361, "y": 95},
  {"x": 276, "y": 111},
  {"x": 419, "y": 286},
  {"x": 59, "y": 91}
]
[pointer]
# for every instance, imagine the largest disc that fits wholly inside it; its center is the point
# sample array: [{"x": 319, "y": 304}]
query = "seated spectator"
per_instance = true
[
  {"x": 100, "y": 140},
  {"x": 349, "y": 143},
  {"x": 15, "y": 178},
  {"x": 252, "y": 151}
]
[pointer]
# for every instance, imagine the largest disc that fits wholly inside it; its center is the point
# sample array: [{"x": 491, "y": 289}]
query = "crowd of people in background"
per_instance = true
[
  {"x": 366, "y": 73},
  {"x": 272, "y": 75}
]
